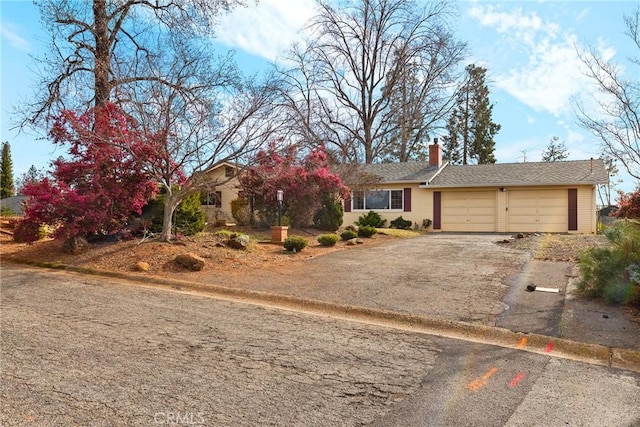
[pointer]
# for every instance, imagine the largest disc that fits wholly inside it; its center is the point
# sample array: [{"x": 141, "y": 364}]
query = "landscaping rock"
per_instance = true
[
  {"x": 239, "y": 242},
  {"x": 142, "y": 266},
  {"x": 75, "y": 245},
  {"x": 190, "y": 261}
]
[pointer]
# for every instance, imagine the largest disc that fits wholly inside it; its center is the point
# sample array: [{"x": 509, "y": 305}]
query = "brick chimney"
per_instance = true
[{"x": 435, "y": 154}]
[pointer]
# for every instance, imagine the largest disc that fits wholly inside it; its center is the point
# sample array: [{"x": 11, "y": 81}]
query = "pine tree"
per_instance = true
[
  {"x": 7, "y": 188},
  {"x": 555, "y": 151},
  {"x": 470, "y": 126}
]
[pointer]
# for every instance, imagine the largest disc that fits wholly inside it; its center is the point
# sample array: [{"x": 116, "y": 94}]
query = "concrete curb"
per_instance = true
[{"x": 596, "y": 354}]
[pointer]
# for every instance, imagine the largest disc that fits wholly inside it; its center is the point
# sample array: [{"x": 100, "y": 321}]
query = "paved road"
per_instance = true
[{"x": 80, "y": 350}]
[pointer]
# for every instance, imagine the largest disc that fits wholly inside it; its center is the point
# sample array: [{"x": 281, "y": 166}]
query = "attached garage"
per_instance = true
[
  {"x": 545, "y": 197},
  {"x": 469, "y": 211},
  {"x": 538, "y": 210}
]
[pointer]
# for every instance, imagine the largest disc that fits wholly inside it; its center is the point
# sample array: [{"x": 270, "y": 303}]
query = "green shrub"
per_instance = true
[
  {"x": 328, "y": 239},
  {"x": 611, "y": 272},
  {"x": 6, "y": 211},
  {"x": 295, "y": 243},
  {"x": 225, "y": 234},
  {"x": 240, "y": 211},
  {"x": 348, "y": 235},
  {"x": 189, "y": 218},
  {"x": 401, "y": 223},
  {"x": 372, "y": 219},
  {"x": 329, "y": 216},
  {"x": 366, "y": 231}
]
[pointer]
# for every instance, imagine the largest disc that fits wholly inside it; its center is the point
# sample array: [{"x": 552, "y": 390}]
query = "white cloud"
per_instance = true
[
  {"x": 551, "y": 73},
  {"x": 10, "y": 33},
  {"x": 265, "y": 30}
]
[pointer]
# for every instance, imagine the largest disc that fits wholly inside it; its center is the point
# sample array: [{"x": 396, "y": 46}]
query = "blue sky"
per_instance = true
[{"x": 527, "y": 47}]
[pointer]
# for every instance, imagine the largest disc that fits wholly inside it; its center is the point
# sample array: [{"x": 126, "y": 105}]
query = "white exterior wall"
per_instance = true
[{"x": 229, "y": 192}]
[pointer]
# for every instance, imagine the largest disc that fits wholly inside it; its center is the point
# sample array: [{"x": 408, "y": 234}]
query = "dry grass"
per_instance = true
[{"x": 566, "y": 247}]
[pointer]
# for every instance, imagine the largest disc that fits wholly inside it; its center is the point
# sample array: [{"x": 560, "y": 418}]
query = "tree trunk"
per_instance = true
[
  {"x": 171, "y": 201},
  {"x": 102, "y": 68}
]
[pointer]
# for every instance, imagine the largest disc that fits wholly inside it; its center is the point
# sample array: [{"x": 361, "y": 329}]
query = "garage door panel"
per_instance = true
[
  {"x": 473, "y": 211},
  {"x": 538, "y": 211}
]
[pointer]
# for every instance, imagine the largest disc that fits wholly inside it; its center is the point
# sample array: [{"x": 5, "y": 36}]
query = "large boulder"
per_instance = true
[
  {"x": 239, "y": 242},
  {"x": 190, "y": 261},
  {"x": 75, "y": 245}
]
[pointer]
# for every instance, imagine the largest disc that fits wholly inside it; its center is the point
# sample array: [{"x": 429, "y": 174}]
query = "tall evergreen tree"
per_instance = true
[
  {"x": 7, "y": 188},
  {"x": 555, "y": 151},
  {"x": 470, "y": 126}
]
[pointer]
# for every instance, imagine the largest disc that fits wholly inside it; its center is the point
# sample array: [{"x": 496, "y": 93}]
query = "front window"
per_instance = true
[
  {"x": 377, "y": 200},
  {"x": 211, "y": 199}
]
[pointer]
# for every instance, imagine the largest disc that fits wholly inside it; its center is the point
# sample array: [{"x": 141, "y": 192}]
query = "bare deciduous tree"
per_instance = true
[
  {"x": 344, "y": 87},
  {"x": 617, "y": 120},
  {"x": 100, "y": 46}
]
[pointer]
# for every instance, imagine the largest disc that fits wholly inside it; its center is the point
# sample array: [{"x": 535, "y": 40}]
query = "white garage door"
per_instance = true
[
  {"x": 543, "y": 211},
  {"x": 469, "y": 211}
]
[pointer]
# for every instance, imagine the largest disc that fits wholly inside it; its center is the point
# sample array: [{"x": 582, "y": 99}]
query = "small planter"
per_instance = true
[{"x": 279, "y": 233}]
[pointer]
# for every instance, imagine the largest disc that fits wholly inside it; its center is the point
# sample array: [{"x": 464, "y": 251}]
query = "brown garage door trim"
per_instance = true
[
  {"x": 437, "y": 210},
  {"x": 573, "y": 209}
]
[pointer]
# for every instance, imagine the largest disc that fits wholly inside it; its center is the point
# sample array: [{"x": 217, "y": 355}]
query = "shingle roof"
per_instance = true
[
  {"x": 401, "y": 172},
  {"x": 574, "y": 172}
]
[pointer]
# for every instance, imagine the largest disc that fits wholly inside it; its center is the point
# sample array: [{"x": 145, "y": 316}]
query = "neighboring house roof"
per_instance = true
[
  {"x": 576, "y": 172},
  {"x": 14, "y": 203}
]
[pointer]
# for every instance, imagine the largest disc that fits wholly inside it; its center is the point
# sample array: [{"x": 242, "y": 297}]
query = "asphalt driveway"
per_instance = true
[{"x": 459, "y": 277}]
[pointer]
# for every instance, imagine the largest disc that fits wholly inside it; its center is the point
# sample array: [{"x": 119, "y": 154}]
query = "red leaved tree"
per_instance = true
[
  {"x": 305, "y": 181},
  {"x": 628, "y": 205},
  {"x": 101, "y": 184}
]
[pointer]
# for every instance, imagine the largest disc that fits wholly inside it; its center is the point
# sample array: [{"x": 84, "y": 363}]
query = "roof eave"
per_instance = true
[{"x": 493, "y": 184}]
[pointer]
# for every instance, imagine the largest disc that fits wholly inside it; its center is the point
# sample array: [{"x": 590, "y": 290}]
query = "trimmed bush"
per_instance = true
[
  {"x": 613, "y": 272},
  {"x": 372, "y": 219},
  {"x": 189, "y": 218},
  {"x": 348, "y": 235},
  {"x": 328, "y": 239},
  {"x": 366, "y": 231},
  {"x": 295, "y": 243},
  {"x": 401, "y": 223},
  {"x": 240, "y": 211},
  {"x": 329, "y": 216}
]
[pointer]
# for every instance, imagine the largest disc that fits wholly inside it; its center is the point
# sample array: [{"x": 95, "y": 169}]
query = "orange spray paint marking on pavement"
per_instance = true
[
  {"x": 478, "y": 383},
  {"x": 523, "y": 343},
  {"x": 549, "y": 348},
  {"x": 514, "y": 382}
]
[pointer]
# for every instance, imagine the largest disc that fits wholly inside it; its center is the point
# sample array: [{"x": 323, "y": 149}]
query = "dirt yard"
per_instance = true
[{"x": 122, "y": 256}]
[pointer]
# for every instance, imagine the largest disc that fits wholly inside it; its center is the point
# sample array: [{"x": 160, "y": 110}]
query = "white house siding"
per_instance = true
[{"x": 229, "y": 192}]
